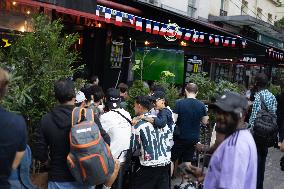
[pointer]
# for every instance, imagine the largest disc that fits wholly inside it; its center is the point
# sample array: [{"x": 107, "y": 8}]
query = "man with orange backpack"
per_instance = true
[{"x": 52, "y": 138}]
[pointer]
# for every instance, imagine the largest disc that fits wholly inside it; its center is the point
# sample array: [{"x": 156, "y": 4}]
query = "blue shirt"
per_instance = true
[
  {"x": 190, "y": 112},
  {"x": 234, "y": 163},
  {"x": 270, "y": 103},
  {"x": 13, "y": 138}
]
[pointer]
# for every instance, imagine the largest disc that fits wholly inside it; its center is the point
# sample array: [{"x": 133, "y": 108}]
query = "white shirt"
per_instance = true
[{"x": 119, "y": 130}]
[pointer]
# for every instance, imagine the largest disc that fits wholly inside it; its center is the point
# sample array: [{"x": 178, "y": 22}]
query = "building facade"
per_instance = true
[{"x": 178, "y": 36}]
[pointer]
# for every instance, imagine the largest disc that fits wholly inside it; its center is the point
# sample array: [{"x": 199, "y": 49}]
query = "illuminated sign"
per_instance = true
[
  {"x": 4, "y": 43},
  {"x": 172, "y": 37},
  {"x": 249, "y": 59},
  {"x": 194, "y": 60}
]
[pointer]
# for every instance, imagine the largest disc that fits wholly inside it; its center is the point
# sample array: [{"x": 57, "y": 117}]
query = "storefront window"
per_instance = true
[{"x": 16, "y": 16}]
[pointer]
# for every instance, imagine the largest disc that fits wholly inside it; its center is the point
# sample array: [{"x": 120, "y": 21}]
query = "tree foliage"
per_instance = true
[
  {"x": 35, "y": 61},
  {"x": 137, "y": 89},
  {"x": 279, "y": 23},
  {"x": 208, "y": 89},
  {"x": 171, "y": 91}
]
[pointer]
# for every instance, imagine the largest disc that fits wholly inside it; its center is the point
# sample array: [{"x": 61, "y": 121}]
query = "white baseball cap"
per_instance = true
[{"x": 80, "y": 97}]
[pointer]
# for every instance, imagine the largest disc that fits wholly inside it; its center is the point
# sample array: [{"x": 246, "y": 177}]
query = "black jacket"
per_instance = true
[
  {"x": 52, "y": 137},
  {"x": 164, "y": 117},
  {"x": 280, "y": 115}
]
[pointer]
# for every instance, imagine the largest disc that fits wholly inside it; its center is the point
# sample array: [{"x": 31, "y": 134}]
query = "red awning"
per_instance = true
[{"x": 80, "y": 13}]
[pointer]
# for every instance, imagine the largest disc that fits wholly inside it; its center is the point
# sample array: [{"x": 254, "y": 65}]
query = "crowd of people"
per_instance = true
[{"x": 143, "y": 151}]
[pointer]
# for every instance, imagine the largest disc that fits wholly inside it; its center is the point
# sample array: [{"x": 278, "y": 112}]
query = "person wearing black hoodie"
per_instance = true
[
  {"x": 280, "y": 113},
  {"x": 52, "y": 137}
]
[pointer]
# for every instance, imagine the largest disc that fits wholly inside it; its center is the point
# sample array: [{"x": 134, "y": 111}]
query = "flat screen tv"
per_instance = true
[{"x": 157, "y": 60}]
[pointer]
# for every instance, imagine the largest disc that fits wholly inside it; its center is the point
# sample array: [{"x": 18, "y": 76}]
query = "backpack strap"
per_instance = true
[
  {"x": 82, "y": 114},
  {"x": 262, "y": 102},
  {"x": 122, "y": 116}
]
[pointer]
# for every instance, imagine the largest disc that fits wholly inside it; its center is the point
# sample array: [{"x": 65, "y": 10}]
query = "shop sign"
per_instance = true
[
  {"x": 169, "y": 27},
  {"x": 4, "y": 42},
  {"x": 116, "y": 54},
  {"x": 194, "y": 60},
  {"x": 249, "y": 59},
  {"x": 193, "y": 64}
]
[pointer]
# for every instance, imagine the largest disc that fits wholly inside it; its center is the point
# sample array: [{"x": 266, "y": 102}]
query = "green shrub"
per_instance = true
[
  {"x": 137, "y": 89},
  {"x": 206, "y": 88},
  {"x": 274, "y": 89},
  {"x": 223, "y": 85},
  {"x": 171, "y": 91},
  {"x": 36, "y": 60}
]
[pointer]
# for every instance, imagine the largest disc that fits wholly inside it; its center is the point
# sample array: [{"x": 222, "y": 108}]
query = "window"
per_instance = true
[
  {"x": 191, "y": 8},
  {"x": 224, "y": 8},
  {"x": 244, "y": 7},
  {"x": 259, "y": 13},
  {"x": 269, "y": 19}
]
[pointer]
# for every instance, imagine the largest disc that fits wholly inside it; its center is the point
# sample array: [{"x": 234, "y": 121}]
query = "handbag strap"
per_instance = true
[{"x": 123, "y": 116}]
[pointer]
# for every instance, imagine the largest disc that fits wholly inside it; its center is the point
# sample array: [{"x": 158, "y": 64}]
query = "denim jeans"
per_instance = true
[
  {"x": 68, "y": 185},
  {"x": 20, "y": 178},
  {"x": 261, "y": 159}
]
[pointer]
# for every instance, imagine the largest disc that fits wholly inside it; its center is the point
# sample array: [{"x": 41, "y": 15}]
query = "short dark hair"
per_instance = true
[
  {"x": 122, "y": 87},
  {"x": 64, "y": 90},
  {"x": 154, "y": 88},
  {"x": 191, "y": 88},
  {"x": 4, "y": 81},
  {"x": 144, "y": 101},
  {"x": 94, "y": 78},
  {"x": 95, "y": 91},
  {"x": 261, "y": 80}
]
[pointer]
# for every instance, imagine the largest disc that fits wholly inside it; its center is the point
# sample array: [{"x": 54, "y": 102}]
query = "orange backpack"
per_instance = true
[{"x": 90, "y": 160}]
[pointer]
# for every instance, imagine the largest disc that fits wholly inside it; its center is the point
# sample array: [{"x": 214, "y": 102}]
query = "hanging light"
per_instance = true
[
  {"x": 14, "y": 3},
  {"x": 182, "y": 43},
  {"x": 22, "y": 29},
  {"x": 146, "y": 43},
  {"x": 99, "y": 25},
  {"x": 28, "y": 12}
]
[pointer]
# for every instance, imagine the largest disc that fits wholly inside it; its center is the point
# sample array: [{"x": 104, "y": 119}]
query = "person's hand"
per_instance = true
[
  {"x": 196, "y": 171},
  {"x": 200, "y": 147},
  {"x": 282, "y": 146},
  {"x": 135, "y": 120},
  {"x": 142, "y": 116}
]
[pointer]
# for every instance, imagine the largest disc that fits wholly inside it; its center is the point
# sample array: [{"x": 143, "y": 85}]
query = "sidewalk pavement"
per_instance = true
[{"x": 274, "y": 177}]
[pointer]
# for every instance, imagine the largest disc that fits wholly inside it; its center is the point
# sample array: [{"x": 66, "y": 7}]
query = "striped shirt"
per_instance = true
[{"x": 269, "y": 101}]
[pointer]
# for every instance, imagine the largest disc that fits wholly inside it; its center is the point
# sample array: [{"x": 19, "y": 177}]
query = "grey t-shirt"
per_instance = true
[{"x": 234, "y": 163}]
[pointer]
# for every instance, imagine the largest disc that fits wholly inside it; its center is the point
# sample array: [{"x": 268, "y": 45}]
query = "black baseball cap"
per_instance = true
[
  {"x": 230, "y": 102},
  {"x": 113, "y": 98}
]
